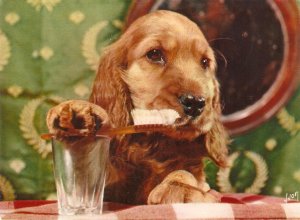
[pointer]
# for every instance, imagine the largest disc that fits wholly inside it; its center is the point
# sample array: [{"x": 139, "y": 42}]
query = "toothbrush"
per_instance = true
[
  {"x": 144, "y": 121},
  {"x": 133, "y": 129}
]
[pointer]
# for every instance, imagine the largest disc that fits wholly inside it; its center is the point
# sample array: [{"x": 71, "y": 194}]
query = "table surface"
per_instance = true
[{"x": 233, "y": 206}]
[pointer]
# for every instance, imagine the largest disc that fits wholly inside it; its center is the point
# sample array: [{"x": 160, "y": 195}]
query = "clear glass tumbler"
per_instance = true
[{"x": 79, "y": 172}]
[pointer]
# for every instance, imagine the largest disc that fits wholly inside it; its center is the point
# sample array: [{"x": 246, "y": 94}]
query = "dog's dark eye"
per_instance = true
[
  {"x": 156, "y": 56},
  {"x": 205, "y": 62}
]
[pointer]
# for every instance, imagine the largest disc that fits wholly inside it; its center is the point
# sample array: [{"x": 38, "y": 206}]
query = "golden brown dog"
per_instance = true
[{"x": 162, "y": 61}]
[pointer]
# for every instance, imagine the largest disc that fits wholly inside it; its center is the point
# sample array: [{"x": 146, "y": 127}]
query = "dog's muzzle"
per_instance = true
[{"x": 193, "y": 106}]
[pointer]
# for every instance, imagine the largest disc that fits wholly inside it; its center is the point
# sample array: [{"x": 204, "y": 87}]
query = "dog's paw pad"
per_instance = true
[{"x": 76, "y": 116}]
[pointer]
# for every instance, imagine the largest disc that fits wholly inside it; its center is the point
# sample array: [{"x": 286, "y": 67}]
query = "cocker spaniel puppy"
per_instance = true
[{"x": 162, "y": 61}]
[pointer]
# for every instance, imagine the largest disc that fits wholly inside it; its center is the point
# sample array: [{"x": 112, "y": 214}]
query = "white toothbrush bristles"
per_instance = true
[{"x": 163, "y": 116}]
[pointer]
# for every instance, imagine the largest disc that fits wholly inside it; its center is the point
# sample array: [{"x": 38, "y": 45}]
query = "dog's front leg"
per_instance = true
[{"x": 181, "y": 187}]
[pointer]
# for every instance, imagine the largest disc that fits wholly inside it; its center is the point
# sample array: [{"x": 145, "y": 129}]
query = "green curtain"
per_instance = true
[{"x": 49, "y": 50}]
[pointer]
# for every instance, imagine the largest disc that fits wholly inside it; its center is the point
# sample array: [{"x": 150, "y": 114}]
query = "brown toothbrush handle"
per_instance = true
[{"x": 133, "y": 129}]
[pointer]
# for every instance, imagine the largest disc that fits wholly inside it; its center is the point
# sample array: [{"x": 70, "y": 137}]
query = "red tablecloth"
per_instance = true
[{"x": 233, "y": 206}]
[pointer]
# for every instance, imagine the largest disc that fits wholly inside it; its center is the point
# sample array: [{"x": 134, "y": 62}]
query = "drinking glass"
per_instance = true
[{"x": 79, "y": 172}]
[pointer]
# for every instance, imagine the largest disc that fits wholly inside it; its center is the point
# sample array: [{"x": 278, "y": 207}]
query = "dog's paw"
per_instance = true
[
  {"x": 76, "y": 117},
  {"x": 180, "y": 187}
]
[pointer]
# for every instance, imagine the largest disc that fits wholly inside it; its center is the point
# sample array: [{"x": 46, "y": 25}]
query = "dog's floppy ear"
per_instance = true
[
  {"x": 216, "y": 139},
  {"x": 216, "y": 144},
  {"x": 109, "y": 91}
]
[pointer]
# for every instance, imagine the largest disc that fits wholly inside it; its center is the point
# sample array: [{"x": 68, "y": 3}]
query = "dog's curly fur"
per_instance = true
[{"x": 153, "y": 167}]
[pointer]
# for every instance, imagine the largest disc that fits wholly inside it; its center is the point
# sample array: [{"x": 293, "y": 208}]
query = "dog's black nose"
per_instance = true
[{"x": 192, "y": 106}]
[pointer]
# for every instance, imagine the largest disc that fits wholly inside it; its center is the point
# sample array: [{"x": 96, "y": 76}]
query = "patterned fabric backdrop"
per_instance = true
[{"x": 49, "y": 50}]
